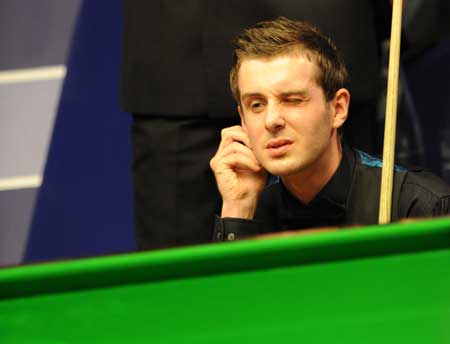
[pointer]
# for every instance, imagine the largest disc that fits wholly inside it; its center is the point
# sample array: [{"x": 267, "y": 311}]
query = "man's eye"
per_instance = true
[
  {"x": 257, "y": 105},
  {"x": 293, "y": 100}
]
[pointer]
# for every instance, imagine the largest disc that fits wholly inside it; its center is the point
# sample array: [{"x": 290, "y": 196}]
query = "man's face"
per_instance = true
[{"x": 284, "y": 112}]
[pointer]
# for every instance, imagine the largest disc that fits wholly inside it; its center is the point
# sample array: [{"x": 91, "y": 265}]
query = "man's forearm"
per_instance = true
[{"x": 239, "y": 209}]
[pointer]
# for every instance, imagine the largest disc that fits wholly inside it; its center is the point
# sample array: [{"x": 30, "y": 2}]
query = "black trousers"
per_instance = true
[{"x": 175, "y": 194}]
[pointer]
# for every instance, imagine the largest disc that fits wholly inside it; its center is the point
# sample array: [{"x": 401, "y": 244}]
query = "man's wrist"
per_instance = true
[{"x": 239, "y": 209}]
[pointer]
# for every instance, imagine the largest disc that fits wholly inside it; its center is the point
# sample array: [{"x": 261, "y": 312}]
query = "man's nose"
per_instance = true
[{"x": 274, "y": 117}]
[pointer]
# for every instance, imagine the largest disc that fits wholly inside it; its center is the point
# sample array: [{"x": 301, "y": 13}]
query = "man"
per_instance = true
[
  {"x": 176, "y": 58},
  {"x": 288, "y": 81}
]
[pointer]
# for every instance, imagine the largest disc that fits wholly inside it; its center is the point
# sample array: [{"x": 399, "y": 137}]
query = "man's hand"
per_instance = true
[{"x": 239, "y": 175}]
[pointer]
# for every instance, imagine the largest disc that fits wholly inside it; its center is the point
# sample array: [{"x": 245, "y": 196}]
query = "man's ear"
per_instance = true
[
  {"x": 241, "y": 115},
  {"x": 340, "y": 104}
]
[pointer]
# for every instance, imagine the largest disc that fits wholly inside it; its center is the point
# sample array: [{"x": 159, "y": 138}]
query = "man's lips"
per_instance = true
[
  {"x": 278, "y": 143},
  {"x": 278, "y": 147}
]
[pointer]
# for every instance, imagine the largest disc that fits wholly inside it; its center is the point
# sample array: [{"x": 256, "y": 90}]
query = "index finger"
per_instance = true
[{"x": 234, "y": 134}]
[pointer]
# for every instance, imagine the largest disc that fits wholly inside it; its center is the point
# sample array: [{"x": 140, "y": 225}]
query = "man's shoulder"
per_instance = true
[
  {"x": 419, "y": 192},
  {"x": 414, "y": 177},
  {"x": 424, "y": 194},
  {"x": 375, "y": 163},
  {"x": 426, "y": 182}
]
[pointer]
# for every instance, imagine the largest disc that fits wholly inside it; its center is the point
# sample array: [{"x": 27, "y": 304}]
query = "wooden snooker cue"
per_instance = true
[{"x": 387, "y": 173}]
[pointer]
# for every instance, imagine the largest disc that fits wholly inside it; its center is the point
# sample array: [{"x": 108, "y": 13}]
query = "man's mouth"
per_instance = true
[{"x": 278, "y": 147}]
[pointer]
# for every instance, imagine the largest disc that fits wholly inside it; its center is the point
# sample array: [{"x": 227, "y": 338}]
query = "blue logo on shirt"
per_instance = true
[{"x": 372, "y": 161}]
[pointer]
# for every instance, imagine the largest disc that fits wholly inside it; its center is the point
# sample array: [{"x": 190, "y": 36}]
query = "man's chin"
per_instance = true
[
  {"x": 281, "y": 169},
  {"x": 286, "y": 167}
]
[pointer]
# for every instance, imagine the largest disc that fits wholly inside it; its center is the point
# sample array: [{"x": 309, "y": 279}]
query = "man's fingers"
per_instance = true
[
  {"x": 234, "y": 152},
  {"x": 237, "y": 161},
  {"x": 238, "y": 148},
  {"x": 234, "y": 134},
  {"x": 235, "y": 156},
  {"x": 239, "y": 154}
]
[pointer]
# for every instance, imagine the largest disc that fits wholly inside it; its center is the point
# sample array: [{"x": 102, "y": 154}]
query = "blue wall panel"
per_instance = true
[{"x": 84, "y": 206}]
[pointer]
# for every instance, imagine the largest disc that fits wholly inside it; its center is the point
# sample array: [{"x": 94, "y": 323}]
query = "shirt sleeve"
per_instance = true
[
  {"x": 229, "y": 229},
  {"x": 265, "y": 220}
]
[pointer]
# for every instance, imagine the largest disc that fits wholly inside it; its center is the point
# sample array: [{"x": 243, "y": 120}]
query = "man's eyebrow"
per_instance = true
[
  {"x": 251, "y": 95},
  {"x": 302, "y": 93}
]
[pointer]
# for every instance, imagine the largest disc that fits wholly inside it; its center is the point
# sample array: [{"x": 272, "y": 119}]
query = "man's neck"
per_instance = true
[{"x": 306, "y": 184}]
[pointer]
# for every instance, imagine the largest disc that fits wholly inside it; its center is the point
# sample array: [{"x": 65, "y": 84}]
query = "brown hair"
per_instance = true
[{"x": 283, "y": 36}]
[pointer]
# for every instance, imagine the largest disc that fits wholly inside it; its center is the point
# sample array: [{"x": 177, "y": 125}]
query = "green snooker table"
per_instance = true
[{"x": 376, "y": 284}]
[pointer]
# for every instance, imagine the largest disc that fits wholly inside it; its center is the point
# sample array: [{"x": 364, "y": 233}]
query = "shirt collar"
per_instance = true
[
  {"x": 329, "y": 205},
  {"x": 337, "y": 188}
]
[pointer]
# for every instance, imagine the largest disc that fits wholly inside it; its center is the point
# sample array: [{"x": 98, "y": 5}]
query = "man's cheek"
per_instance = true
[{"x": 253, "y": 143}]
